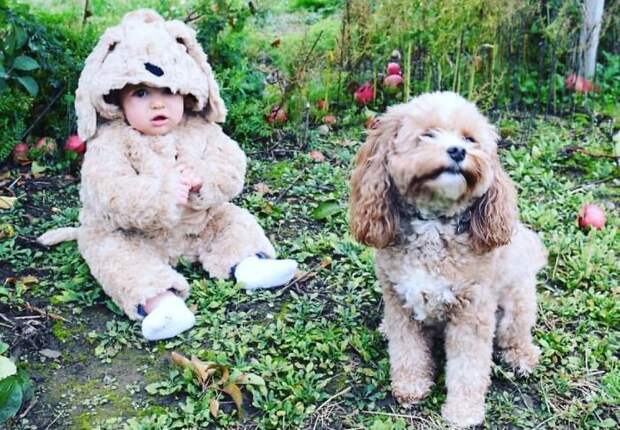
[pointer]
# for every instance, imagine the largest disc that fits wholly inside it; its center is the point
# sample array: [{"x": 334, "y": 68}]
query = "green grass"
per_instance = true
[{"x": 316, "y": 344}]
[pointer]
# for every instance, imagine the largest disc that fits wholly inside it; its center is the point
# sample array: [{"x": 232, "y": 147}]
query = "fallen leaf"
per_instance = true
[
  {"x": 214, "y": 407},
  {"x": 179, "y": 359},
  {"x": 7, "y": 202},
  {"x": 37, "y": 170},
  {"x": 262, "y": 188},
  {"x": 233, "y": 391},
  {"x": 317, "y": 156},
  {"x": 27, "y": 280},
  {"x": 50, "y": 353}
]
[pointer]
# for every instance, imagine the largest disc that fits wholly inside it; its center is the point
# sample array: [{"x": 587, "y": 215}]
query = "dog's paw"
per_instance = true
[
  {"x": 412, "y": 393},
  {"x": 522, "y": 359},
  {"x": 463, "y": 413}
]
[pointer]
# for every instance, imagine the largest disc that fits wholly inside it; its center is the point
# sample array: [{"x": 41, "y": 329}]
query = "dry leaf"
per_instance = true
[
  {"x": 214, "y": 407},
  {"x": 179, "y": 359},
  {"x": 27, "y": 280},
  {"x": 233, "y": 391},
  {"x": 317, "y": 156},
  {"x": 50, "y": 353},
  {"x": 7, "y": 202},
  {"x": 262, "y": 188}
]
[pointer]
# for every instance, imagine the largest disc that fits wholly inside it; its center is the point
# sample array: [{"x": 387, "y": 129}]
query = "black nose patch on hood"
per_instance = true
[{"x": 157, "y": 71}]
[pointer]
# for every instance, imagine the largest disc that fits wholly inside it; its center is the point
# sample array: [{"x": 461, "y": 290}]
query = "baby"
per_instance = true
[{"x": 158, "y": 176}]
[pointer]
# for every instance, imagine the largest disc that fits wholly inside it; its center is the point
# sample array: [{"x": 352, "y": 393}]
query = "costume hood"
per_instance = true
[{"x": 144, "y": 48}]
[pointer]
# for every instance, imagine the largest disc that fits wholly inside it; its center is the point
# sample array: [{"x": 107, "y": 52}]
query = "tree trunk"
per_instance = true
[{"x": 589, "y": 37}]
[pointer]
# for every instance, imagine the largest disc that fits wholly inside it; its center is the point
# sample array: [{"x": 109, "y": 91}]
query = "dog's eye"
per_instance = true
[
  {"x": 429, "y": 134},
  {"x": 469, "y": 139}
]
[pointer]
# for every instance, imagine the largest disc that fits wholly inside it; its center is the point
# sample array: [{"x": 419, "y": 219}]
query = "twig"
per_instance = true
[
  {"x": 55, "y": 98},
  {"x": 287, "y": 189},
  {"x": 309, "y": 274},
  {"x": 345, "y": 391},
  {"x": 388, "y": 414},
  {"x": 44, "y": 313},
  {"x": 590, "y": 184},
  {"x": 571, "y": 149},
  {"x": 30, "y": 406},
  {"x": 54, "y": 420}
]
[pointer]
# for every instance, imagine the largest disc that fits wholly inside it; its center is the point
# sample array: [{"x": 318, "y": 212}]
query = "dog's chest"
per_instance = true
[{"x": 425, "y": 271}]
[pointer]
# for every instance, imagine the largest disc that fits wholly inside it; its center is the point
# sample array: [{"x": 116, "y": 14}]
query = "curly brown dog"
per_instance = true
[{"x": 429, "y": 193}]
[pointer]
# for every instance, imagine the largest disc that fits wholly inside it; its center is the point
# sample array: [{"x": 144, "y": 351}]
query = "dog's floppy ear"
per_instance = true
[
  {"x": 373, "y": 218},
  {"x": 84, "y": 107},
  {"x": 215, "y": 110},
  {"x": 494, "y": 216}
]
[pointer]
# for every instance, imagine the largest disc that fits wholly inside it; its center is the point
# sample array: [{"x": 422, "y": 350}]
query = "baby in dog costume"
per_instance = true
[{"x": 158, "y": 176}]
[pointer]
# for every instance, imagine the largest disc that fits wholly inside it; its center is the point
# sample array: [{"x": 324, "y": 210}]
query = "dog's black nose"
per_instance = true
[{"x": 456, "y": 153}]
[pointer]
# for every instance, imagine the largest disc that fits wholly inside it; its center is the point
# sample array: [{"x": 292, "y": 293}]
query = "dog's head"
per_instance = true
[
  {"x": 437, "y": 153},
  {"x": 145, "y": 49}
]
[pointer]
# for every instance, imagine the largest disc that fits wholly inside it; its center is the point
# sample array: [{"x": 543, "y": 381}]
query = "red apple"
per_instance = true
[
  {"x": 46, "y": 145},
  {"x": 364, "y": 94},
  {"x": 329, "y": 119},
  {"x": 591, "y": 215},
  {"x": 578, "y": 84},
  {"x": 20, "y": 153},
  {"x": 392, "y": 83},
  {"x": 277, "y": 115},
  {"x": 75, "y": 144},
  {"x": 393, "y": 69}
]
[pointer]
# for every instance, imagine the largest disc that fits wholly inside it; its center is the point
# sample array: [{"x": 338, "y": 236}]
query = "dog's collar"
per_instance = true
[{"x": 461, "y": 220}]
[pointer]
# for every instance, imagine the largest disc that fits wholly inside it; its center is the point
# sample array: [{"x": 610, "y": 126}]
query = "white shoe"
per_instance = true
[
  {"x": 170, "y": 318},
  {"x": 255, "y": 273}
]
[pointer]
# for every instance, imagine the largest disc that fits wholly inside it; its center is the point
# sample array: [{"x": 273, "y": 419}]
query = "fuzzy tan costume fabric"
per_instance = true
[
  {"x": 429, "y": 193},
  {"x": 132, "y": 231}
]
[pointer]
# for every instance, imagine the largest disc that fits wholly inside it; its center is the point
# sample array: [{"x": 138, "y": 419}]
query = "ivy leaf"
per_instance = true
[
  {"x": 20, "y": 37},
  {"x": 326, "y": 210},
  {"x": 25, "y": 63},
  {"x": 29, "y": 84},
  {"x": 11, "y": 397},
  {"x": 7, "y": 367}
]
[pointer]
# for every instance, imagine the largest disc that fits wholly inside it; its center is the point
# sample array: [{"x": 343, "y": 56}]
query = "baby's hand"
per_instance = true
[{"x": 190, "y": 177}]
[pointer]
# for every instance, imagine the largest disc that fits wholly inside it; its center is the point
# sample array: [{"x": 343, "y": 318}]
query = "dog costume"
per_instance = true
[{"x": 132, "y": 231}]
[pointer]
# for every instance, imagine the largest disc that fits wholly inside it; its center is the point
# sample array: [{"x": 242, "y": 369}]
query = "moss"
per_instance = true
[{"x": 61, "y": 331}]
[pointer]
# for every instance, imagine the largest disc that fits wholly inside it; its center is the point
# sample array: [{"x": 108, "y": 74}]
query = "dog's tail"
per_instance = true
[{"x": 52, "y": 237}]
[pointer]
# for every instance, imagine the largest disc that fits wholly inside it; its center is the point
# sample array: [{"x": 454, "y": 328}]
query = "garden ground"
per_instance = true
[{"x": 312, "y": 349}]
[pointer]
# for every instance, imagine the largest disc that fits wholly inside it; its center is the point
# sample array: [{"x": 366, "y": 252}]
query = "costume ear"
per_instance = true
[
  {"x": 373, "y": 217},
  {"x": 215, "y": 109},
  {"x": 494, "y": 216},
  {"x": 84, "y": 107}
]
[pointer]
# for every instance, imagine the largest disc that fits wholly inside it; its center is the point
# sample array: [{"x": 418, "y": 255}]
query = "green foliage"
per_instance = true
[
  {"x": 15, "y": 387},
  {"x": 15, "y": 106}
]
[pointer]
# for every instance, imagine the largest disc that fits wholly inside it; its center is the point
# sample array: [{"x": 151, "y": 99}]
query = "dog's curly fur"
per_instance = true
[{"x": 450, "y": 250}]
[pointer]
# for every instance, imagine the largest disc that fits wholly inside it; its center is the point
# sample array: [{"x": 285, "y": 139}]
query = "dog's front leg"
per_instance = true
[
  {"x": 411, "y": 366},
  {"x": 469, "y": 345}
]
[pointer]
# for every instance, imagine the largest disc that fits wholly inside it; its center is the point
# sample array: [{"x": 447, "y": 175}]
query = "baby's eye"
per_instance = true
[
  {"x": 167, "y": 91},
  {"x": 140, "y": 92},
  {"x": 469, "y": 139}
]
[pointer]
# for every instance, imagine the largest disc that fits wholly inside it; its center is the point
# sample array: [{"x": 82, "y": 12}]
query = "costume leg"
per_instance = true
[
  {"x": 129, "y": 268},
  {"x": 231, "y": 235}
]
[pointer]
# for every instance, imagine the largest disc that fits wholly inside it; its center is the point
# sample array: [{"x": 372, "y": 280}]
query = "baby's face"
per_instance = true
[{"x": 151, "y": 111}]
